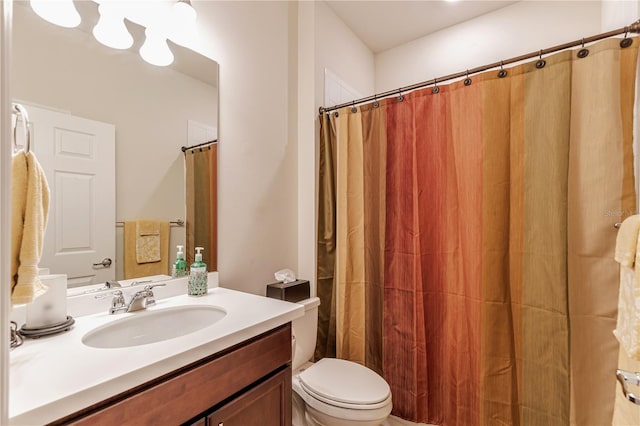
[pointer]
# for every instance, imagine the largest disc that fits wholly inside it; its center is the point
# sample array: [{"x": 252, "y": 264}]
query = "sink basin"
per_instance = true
[{"x": 154, "y": 326}]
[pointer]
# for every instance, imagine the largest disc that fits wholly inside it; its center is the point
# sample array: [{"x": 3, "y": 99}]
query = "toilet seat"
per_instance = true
[{"x": 345, "y": 384}]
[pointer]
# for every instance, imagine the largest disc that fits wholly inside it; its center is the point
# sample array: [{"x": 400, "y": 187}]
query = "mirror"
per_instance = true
[{"x": 153, "y": 112}]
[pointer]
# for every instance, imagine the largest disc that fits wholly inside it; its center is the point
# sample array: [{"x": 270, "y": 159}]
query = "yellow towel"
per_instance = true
[
  {"x": 627, "y": 241},
  {"x": 133, "y": 269},
  {"x": 29, "y": 214},
  {"x": 147, "y": 241},
  {"x": 627, "y": 254}
]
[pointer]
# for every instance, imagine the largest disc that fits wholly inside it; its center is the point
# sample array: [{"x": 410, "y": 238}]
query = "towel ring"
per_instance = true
[{"x": 20, "y": 111}]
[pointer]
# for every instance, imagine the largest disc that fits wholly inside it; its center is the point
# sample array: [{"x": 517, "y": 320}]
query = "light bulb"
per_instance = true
[
  {"x": 110, "y": 29},
  {"x": 155, "y": 49},
  {"x": 183, "y": 13},
  {"x": 59, "y": 12}
]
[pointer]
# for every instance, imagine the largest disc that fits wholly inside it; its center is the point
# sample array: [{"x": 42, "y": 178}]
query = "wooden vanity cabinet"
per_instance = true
[{"x": 248, "y": 384}]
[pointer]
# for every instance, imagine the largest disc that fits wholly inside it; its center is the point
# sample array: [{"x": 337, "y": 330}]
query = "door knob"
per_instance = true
[{"x": 106, "y": 262}]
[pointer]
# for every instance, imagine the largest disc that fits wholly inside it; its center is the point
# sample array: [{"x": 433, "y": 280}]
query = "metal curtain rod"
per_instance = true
[
  {"x": 186, "y": 148},
  {"x": 633, "y": 28}
]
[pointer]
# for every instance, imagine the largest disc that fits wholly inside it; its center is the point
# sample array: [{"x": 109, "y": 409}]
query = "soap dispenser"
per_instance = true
[
  {"x": 179, "y": 268},
  {"x": 198, "y": 275}
]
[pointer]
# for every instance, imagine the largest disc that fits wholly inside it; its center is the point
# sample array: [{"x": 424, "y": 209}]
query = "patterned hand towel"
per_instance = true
[
  {"x": 628, "y": 323},
  {"x": 29, "y": 214},
  {"x": 133, "y": 269},
  {"x": 147, "y": 241}
]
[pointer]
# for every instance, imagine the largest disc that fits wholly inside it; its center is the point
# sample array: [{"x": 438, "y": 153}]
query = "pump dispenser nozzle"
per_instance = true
[{"x": 199, "y": 254}]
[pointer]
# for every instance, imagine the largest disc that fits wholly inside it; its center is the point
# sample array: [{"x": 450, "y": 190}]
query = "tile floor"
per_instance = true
[{"x": 395, "y": 421}]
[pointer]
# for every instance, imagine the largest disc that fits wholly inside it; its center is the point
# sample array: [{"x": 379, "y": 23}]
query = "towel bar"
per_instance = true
[
  {"x": 625, "y": 377},
  {"x": 177, "y": 222}
]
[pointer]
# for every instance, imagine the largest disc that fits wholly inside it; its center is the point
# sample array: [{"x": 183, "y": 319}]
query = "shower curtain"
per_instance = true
[
  {"x": 474, "y": 232},
  {"x": 202, "y": 208}
]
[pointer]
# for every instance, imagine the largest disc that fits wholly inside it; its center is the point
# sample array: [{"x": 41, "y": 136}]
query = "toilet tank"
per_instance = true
[{"x": 305, "y": 332}]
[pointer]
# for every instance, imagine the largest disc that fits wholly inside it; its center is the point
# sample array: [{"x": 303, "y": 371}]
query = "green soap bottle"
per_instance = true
[
  {"x": 179, "y": 268},
  {"x": 198, "y": 276}
]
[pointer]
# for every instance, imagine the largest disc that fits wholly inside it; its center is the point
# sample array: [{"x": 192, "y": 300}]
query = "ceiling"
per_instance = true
[{"x": 382, "y": 25}]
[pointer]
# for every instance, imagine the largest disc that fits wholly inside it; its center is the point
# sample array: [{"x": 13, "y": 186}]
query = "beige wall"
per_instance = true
[
  {"x": 272, "y": 56},
  {"x": 342, "y": 52},
  {"x": 258, "y": 209},
  {"x": 526, "y": 26}
]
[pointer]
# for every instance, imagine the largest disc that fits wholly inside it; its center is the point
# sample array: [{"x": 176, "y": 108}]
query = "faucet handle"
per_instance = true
[
  {"x": 150, "y": 296},
  {"x": 150, "y": 286},
  {"x": 117, "y": 303}
]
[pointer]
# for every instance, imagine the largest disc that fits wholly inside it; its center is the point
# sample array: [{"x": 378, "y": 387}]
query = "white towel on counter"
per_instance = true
[{"x": 627, "y": 254}]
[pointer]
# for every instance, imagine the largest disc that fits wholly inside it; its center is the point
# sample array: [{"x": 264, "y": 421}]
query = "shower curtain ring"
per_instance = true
[
  {"x": 626, "y": 41},
  {"x": 502, "y": 73},
  {"x": 541, "y": 62},
  {"x": 467, "y": 81},
  {"x": 400, "y": 97},
  {"x": 353, "y": 107},
  {"x": 376, "y": 104},
  {"x": 435, "y": 89}
]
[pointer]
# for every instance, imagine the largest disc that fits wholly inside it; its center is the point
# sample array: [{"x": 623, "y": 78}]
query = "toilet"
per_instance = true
[{"x": 332, "y": 392}]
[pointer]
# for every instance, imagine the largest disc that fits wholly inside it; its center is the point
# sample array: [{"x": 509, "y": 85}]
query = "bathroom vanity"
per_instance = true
[
  {"x": 236, "y": 371},
  {"x": 247, "y": 384}
]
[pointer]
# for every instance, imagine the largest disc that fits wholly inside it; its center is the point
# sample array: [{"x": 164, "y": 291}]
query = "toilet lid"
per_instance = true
[{"x": 345, "y": 382}]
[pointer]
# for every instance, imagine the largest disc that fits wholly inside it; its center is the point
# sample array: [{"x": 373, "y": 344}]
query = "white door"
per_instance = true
[{"x": 78, "y": 158}]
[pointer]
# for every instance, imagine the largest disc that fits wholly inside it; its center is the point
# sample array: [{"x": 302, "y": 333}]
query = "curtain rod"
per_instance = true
[
  {"x": 626, "y": 42},
  {"x": 186, "y": 148}
]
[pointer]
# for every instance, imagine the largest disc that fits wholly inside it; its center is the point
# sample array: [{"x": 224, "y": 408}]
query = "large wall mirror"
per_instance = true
[{"x": 107, "y": 111}]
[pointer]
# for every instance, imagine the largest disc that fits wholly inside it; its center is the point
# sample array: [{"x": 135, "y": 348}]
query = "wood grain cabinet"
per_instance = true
[{"x": 248, "y": 384}]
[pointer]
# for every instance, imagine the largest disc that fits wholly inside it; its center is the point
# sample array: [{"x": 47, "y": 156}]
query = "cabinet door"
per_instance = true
[{"x": 268, "y": 404}]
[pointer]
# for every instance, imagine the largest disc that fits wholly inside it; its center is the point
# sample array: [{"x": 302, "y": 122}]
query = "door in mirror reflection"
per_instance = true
[{"x": 77, "y": 156}]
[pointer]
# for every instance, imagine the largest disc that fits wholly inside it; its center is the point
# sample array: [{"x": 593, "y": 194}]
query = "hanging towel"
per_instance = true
[
  {"x": 133, "y": 269},
  {"x": 627, "y": 254},
  {"x": 147, "y": 241},
  {"x": 29, "y": 214}
]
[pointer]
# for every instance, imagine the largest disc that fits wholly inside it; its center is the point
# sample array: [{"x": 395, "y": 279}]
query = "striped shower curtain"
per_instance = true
[
  {"x": 474, "y": 240},
  {"x": 201, "y": 174}
]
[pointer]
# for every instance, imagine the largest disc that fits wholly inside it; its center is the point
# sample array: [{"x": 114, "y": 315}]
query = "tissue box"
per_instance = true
[{"x": 291, "y": 292}]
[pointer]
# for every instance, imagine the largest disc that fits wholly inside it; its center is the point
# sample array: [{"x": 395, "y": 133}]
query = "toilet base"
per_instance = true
[{"x": 318, "y": 418}]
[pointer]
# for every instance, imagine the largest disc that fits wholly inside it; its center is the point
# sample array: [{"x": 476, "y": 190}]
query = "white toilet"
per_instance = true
[{"x": 332, "y": 392}]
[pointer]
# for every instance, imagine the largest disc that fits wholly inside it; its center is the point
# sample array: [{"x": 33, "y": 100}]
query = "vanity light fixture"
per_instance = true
[
  {"x": 58, "y": 12},
  {"x": 184, "y": 13},
  {"x": 110, "y": 29},
  {"x": 174, "y": 19},
  {"x": 155, "y": 49}
]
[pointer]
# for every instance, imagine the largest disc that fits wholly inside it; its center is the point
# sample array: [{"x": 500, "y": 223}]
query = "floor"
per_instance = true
[{"x": 395, "y": 421}]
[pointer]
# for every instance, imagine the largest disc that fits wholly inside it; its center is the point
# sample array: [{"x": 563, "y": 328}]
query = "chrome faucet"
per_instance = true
[{"x": 139, "y": 300}]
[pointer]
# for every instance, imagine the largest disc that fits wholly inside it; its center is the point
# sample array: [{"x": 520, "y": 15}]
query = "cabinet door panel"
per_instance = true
[{"x": 268, "y": 404}]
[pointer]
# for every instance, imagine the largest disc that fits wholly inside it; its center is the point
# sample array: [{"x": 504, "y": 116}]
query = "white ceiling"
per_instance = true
[{"x": 382, "y": 25}]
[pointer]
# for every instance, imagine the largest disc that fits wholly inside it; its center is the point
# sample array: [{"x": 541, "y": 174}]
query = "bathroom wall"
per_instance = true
[
  {"x": 523, "y": 27},
  {"x": 258, "y": 211},
  {"x": 270, "y": 90},
  {"x": 339, "y": 50}
]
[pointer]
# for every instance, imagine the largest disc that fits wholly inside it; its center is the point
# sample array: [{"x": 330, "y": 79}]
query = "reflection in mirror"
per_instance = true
[{"x": 107, "y": 128}]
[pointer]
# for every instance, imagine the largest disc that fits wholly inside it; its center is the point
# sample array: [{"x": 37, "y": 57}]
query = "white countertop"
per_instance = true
[{"x": 55, "y": 376}]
